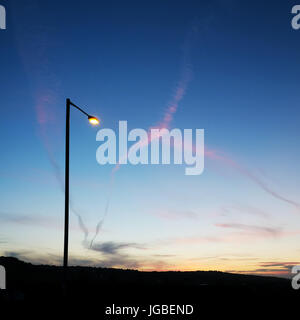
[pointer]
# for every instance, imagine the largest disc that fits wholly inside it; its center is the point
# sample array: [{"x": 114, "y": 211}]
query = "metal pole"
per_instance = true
[{"x": 66, "y": 235}]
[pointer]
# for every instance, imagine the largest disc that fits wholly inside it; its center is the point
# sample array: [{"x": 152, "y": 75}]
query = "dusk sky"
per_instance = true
[{"x": 236, "y": 65}]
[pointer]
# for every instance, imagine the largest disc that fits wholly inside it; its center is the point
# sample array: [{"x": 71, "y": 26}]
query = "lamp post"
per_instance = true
[{"x": 94, "y": 121}]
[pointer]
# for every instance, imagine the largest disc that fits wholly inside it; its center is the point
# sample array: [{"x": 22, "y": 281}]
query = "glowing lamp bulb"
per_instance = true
[{"x": 93, "y": 120}]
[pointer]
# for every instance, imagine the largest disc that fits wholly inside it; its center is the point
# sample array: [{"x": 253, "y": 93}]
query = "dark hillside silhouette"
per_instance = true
[{"x": 101, "y": 287}]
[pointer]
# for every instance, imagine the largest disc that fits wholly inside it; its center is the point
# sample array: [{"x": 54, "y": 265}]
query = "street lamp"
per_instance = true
[{"x": 94, "y": 121}]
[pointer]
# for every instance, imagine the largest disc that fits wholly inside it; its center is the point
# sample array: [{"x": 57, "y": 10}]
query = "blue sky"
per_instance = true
[{"x": 123, "y": 60}]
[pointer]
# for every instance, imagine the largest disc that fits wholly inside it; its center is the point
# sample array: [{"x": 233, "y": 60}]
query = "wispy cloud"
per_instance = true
[
  {"x": 226, "y": 257},
  {"x": 175, "y": 214},
  {"x": 261, "y": 230},
  {"x": 114, "y": 255},
  {"x": 6, "y": 217},
  {"x": 3, "y": 240},
  {"x": 253, "y": 177},
  {"x": 113, "y": 248},
  {"x": 273, "y": 268},
  {"x": 21, "y": 254},
  {"x": 237, "y": 233},
  {"x": 171, "y": 109},
  {"x": 47, "y": 258},
  {"x": 241, "y": 209},
  {"x": 38, "y": 221}
]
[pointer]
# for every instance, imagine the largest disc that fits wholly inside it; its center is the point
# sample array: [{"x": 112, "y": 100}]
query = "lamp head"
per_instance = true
[{"x": 93, "y": 120}]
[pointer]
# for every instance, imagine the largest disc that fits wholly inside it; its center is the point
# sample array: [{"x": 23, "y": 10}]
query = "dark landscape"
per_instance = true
[{"x": 101, "y": 287}]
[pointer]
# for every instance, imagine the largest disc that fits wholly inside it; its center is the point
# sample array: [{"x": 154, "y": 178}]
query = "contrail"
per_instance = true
[
  {"x": 59, "y": 178},
  {"x": 186, "y": 76},
  {"x": 100, "y": 223},
  {"x": 44, "y": 98},
  {"x": 180, "y": 91},
  {"x": 218, "y": 156},
  {"x": 258, "y": 181},
  {"x": 81, "y": 224},
  {"x": 45, "y": 85}
]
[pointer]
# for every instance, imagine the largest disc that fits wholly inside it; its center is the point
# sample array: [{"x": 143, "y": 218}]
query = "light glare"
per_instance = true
[{"x": 94, "y": 121}]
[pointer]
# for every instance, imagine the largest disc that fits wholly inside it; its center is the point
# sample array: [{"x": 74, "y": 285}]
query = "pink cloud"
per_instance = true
[{"x": 175, "y": 214}]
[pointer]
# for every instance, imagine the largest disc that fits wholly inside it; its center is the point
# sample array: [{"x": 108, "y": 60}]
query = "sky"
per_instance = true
[{"x": 229, "y": 67}]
